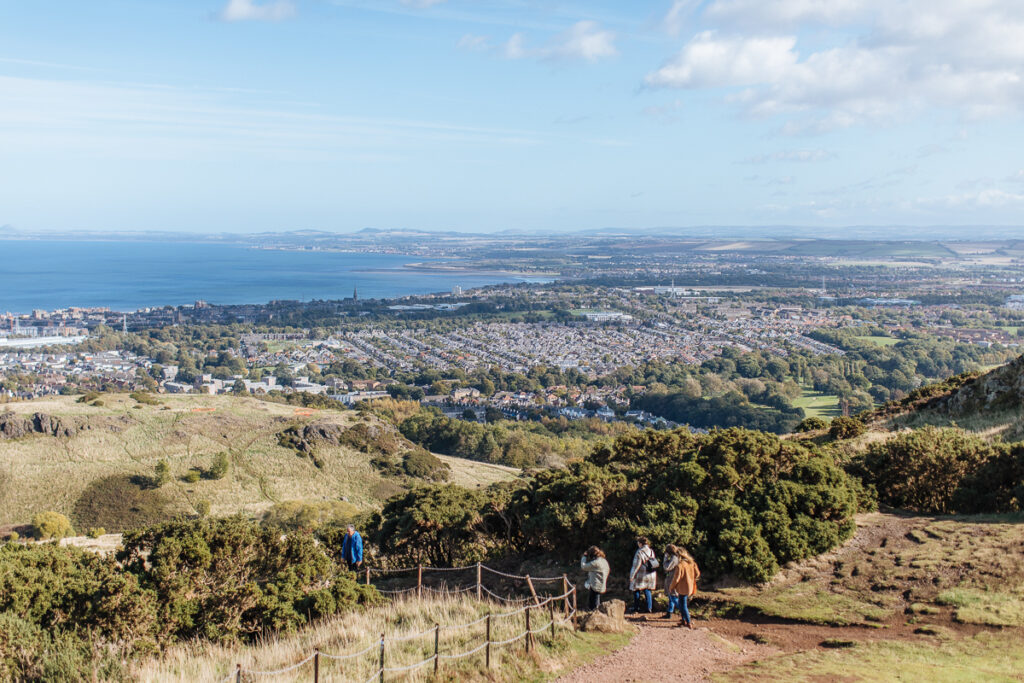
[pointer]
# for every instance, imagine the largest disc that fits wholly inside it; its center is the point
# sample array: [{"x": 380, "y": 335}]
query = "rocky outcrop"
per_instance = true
[
  {"x": 610, "y": 617},
  {"x": 999, "y": 390},
  {"x": 14, "y": 426}
]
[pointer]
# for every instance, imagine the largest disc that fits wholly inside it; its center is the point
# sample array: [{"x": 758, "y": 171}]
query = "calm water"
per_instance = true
[{"x": 132, "y": 275}]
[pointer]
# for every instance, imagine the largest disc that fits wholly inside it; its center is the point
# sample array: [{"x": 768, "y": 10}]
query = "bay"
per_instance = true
[{"x": 127, "y": 276}]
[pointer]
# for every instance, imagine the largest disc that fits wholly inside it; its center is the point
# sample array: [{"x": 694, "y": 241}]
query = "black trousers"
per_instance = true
[{"x": 594, "y": 600}]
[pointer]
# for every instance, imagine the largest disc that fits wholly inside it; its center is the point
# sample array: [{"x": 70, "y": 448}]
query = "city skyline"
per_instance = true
[{"x": 487, "y": 115}]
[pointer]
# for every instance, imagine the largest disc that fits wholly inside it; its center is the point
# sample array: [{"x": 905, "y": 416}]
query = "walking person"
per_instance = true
[
  {"x": 671, "y": 566},
  {"x": 685, "y": 584},
  {"x": 643, "y": 577},
  {"x": 596, "y": 566},
  {"x": 352, "y": 548}
]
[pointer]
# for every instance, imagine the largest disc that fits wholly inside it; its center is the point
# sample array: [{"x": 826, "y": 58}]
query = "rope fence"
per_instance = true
[{"x": 534, "y": 603}]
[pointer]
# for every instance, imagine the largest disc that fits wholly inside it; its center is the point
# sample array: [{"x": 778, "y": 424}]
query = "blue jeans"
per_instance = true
[
  {"x": 673, "y": 603},
  {"x": 645, "y": 593},
  {"x": 682, "y": 601}
]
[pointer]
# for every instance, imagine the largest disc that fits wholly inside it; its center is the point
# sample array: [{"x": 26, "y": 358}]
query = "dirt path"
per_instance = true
[{"x": 662, "y": 653}]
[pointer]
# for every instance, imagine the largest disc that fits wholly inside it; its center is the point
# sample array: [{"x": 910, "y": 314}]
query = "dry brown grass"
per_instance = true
[{"x": 357, "y": 631}]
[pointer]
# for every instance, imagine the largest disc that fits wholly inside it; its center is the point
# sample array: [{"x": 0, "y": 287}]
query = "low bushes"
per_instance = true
[
  {"x": 51, "y": 525},
  {"x": 121, "y": 502},
  {"x": 743, "y": 501}
]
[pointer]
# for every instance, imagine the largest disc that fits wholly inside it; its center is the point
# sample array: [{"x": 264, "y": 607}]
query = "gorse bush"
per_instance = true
[
  {"x": 744, "y": 502},
  {"x": 997, "y": 485},
  {"x": 51, "y": 525},
  {"x": 220, "y": 467},
  {"x": 811, "y": 424},
  {"x": 231, "y": 578},
  {"x": 922, "y": 470},
  {"x": 846, "y": 428},
  {"x": 225, "y": 579}
]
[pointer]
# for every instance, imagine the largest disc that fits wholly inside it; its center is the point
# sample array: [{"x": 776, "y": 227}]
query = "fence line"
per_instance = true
[{"x": 568, "y": 597}]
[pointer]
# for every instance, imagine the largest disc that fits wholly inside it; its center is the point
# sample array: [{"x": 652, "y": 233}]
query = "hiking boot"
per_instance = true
[{"x": 667, "y": 615}]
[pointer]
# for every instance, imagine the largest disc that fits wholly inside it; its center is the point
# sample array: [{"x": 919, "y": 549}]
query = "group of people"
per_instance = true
[{"x": 681, "y": 574}]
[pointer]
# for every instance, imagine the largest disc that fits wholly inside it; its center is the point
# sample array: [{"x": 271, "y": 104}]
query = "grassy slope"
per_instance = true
[
  {"x": 47, "y": 473},
  {"x": 896, "y": 564}
]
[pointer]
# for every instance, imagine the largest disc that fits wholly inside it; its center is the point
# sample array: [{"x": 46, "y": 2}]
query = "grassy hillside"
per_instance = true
[{"x": 110, "y": 461}]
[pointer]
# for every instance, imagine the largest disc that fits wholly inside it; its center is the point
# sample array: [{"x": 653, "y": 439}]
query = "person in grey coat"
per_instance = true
[{"x": 596, "y": 566}]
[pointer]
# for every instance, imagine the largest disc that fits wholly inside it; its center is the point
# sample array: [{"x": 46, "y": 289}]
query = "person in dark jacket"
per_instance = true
[{"x": 352, "y": 548}]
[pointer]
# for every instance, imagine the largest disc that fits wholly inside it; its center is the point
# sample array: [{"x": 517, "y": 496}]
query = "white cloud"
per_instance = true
[
  {"x": 891, "y": 59},
  {"x": 248, "y": 10},
  {"x": 677, "y": 16},
  {"x": 584, "y": 40},
  {"x": 708, "y": 60}
]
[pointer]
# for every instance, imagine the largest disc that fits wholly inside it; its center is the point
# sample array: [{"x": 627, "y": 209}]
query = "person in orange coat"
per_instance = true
[{"x": 683, "y": 583}]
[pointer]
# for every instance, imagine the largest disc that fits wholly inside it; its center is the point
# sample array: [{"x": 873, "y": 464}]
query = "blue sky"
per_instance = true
[{"x": 483, "y": 115}]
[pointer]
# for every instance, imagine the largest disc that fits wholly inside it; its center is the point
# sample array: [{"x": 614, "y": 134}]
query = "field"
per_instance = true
[
  {"x": 113, "y": 458},
  {"x": 817, "y": 404},
  {"x": 879, "y": 340}
]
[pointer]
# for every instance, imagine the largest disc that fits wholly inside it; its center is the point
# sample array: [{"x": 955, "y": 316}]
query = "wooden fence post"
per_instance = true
[
  {"x": 575, "y": 610},
  {"x": 419, "y": 582},
  {"x": 367, "y": 576},
  {"x": 479, "y": 583},
  {"x": 551, "y": 613},
  {"x": 316, "y": 665},
  {"x": 382, "y": 658},
  {"x": 437, "y": 652},
  {"x": 565, "y": 592},
  {"x": 487, "y": 650},
  {"x": 533, "y": 592},
  {"x": 529, "y": 633}
]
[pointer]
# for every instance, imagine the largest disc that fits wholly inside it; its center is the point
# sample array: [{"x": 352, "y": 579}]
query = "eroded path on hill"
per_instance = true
[{"x": 660, "y": 652}]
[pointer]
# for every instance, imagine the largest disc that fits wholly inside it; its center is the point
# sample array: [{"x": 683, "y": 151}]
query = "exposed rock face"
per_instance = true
[
  {"x": 306, "y": 439},
  {"x": 998, "y": 390},
  {"x": 14, "y": 426},
  {"x": 610, "y": 617}
]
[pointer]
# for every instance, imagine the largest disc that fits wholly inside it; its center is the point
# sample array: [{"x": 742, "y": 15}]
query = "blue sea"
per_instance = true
[{"x": 127, "y": 276}]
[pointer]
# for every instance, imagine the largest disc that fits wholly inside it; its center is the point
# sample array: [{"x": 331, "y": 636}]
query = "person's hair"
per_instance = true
[
  {"x": 350, "y": 527},
  {"x": 643, "y": 540},
  {"x": 593, "y": 552},
  {"x": 671, "y": 549},
  {"x": 684, "y": 553}
]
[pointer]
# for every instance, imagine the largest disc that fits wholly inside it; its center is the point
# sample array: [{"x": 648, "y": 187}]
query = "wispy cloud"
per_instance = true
[
  {"x": 161, "y": 122},
  {"x": 584, "y": 40},
  {"x": 250, "y": 10}
]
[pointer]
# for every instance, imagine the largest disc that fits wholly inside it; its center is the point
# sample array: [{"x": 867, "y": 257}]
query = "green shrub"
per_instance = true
[
  {"x": 51, "y": 525},
  {"x": 192, "y": 476},
  {"x": 744, "y": 502},
  {"x": 144, "y": 397},
  {"x": 811, "y": 424},
  {"x": 60, "y": 588},
  {"x": 922, "y": 470},
  {"x": 12, "y": 537},
  {"x": 203, "y": 508},
  {"x": 97, "y": 403},
  {"x": 225, "y": 579},
  {"x": 96, "y": 532},
  {"x": 997, "y": 486},
  {"x": 88, "y": 397},
  {"x": 843, "y": 428},
  {"x": 220, "y": 467},
  {"x": 161, "y": 473}
]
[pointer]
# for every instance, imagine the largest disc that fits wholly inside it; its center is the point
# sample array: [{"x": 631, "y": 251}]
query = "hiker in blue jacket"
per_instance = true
[{"x": 352, "y": 548}]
